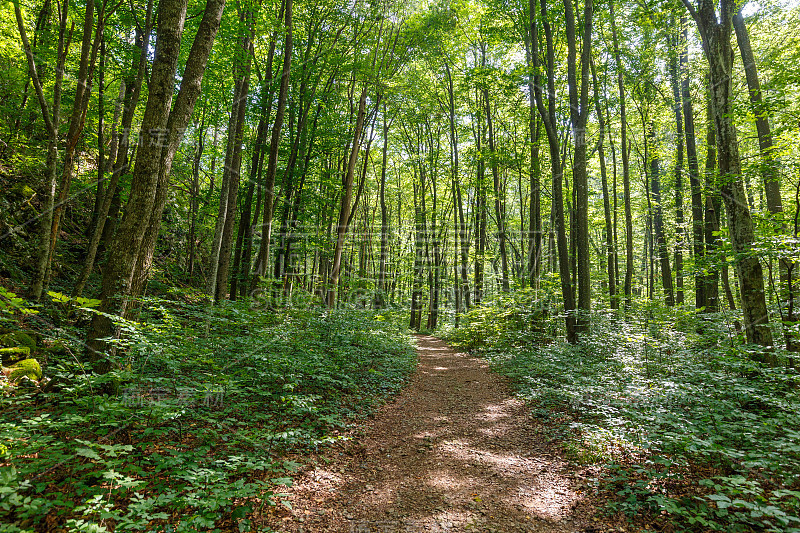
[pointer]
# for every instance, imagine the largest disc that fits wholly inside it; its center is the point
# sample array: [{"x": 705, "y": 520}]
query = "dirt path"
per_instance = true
[{"x": 453, "y": 452}]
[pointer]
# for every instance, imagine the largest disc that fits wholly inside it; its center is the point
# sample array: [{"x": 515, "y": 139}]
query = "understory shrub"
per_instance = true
[
  {"x": 208, "y": 403},
  {"x": 688, "y": 427}
]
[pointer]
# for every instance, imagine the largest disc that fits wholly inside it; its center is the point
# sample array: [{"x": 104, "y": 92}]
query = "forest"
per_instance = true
[{"x": 230, "y": 231}]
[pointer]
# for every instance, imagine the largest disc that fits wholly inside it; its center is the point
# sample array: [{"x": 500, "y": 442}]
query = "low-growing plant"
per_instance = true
[
  {"x": 208, "y": 402},
  {"x": 690, "y": 427}
]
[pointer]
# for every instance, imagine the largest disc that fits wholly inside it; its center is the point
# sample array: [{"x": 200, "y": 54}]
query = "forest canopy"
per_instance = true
[{"x": 612, "y": 186}]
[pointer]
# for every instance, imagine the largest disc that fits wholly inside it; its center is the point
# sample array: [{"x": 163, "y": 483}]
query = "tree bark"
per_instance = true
[
  {"x": 626, "y": 182},
  {"x": 548, "y": 115},
  {"x": 77, "y": 121},
  {"x": 262, "y": 262},
  {"x": 223, "y": 235},
  {"x": 51, "y": 114},
  {"x": 769, "y": 172},
  {"x": 673, "y": 41},
  {"x": 658, "y": 220},
  {"x": 162, "y": 130},
  {"x": 716, "y": 32},
  {"x": 612, "y": 288},
  {"x": 499, "y": 190},
  {"x": 579, "y": 114},
  {"x": 130, "y": 89}
]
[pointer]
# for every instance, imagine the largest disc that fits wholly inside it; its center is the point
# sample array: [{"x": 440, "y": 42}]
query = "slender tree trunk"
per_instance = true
[
  {"x": 194, "y": 201},
  {"x": 380, "y": 300},
  {"x": 626, "y": 182},
  {"x": 499, "y": 192},
  {"x": 51, "y": 114},
  {"x": 713, "y": 204},
  {"x": 262, "y": 263},
  {"x": 698, "y": 240},
  {"x": 579, "y": 114},
  {"x": 463, "y": 236},
  {"x": 673, "y": 41},
  {"x": 480, "y": 215},
  {"x": 769, "y": 171},
  {"x": 612, "y": 288},
  {"x": 80, "y": 105},
  {"x": 347, "y": 196},
  {"x": 419, "y": 246},
  {"x": 534, "y": 211},
  {"x": 218, "y": 278},
  {"x": 548, "y": 115},
  {"x": 130, "y": 90},
  {"x": 101, "y": 145},
  {"x": 658, "y": 220}
]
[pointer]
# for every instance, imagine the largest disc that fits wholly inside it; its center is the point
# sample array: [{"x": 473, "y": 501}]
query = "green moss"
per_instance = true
[
  {"x": 26, "y": 367},
  {"x": 20, "y": 191},
  {"x": 18, "y": 338},
  {"x": 14, "y": 354}
]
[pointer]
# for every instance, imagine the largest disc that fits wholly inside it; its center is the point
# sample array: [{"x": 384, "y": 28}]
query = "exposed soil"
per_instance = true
[{"x": 455, "y": 451}]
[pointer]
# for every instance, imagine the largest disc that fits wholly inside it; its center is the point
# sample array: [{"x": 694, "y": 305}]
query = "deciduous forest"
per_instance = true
[{"x": 229, "y": 231}]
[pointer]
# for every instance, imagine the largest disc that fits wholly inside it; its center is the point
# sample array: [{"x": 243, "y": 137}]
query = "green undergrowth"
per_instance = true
[
  {"x": 690, "y": 433},
  {"x": 207, "y": 405}
]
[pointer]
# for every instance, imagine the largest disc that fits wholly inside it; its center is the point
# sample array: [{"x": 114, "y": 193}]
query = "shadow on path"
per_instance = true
[{"x": 453, "y": 452}]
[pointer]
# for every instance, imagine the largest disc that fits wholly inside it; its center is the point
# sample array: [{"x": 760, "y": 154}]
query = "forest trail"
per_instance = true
[{"x": 455, "y": 451}]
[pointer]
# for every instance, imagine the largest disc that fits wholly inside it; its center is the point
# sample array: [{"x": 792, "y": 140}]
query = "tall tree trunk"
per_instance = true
[
  {"x": 716, "y": 32},
  {"x": 176, "y": 125},
  {"x": 626, "y": 182},
  {"x": 713, "y": 205},
  {"x": 101, "y": 145},
  {"x": 698, "y": 241},
  {"x": 51, "y": 114},
  {"x": 579, "y": 114},
  {"x": 548, "y": 115},
  {"x": 241, "y": 282},
  {"x": 612, "y": 288},
  {"x": 499, "y": 191},
  {"x": 134, "y": 242},
  {"x": 194, "y": 201},
  {"x": 769, "y": 172},
  {"x": 223, "y": 234},
  {"x": 419, "y": 246},
  {"x": 130, "y": 89},
  {"x": 262, "y": 263},
  {"x": 463, "y": 237},
  {"x": 658, "y": 219},
  {"x": 673, "y": 42},
  {"x": 534, "y": 211},
  {"x": 117, "y": 276},
  {"x": 480, "y": 215},
  {"x": 346, "y": 199},
  {"x": 380, "y": 299},
  {"x": 77, "y": 121}
]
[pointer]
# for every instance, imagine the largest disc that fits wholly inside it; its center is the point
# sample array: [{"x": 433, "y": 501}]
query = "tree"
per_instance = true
[
  {"x": 715, "y": 31},
  {"x": 161, "y": 131}
]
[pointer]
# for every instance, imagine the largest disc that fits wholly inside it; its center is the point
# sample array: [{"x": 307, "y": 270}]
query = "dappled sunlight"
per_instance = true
[
  {"x": 549, "y": 500},
  {"x": 494, "y": 412},
  {"x": 445, "y": 480},
  {"x": 454, "y": 452}
]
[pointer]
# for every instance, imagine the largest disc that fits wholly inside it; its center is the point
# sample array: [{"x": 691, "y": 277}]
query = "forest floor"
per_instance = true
[{"x": 454, "y": 451}]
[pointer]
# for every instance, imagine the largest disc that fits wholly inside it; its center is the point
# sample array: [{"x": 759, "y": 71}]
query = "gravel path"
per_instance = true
[{"x": 453, "y": 452}]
